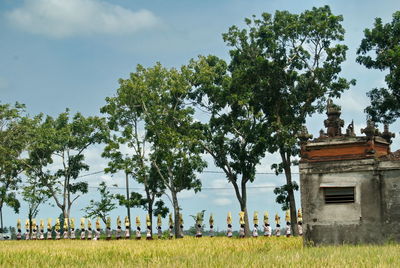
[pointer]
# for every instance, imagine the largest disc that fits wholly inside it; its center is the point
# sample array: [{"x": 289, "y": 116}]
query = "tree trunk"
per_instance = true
[
  {"x": 1, "y": 218},
  {"x": 176, "y": 215},
  {"x": 127, "y": 198},
  {"x": 242, "y": 198},
  {"x": 150, "y": 211},
  {"x": 292, "y": 201},
  {"x": 243, "y": 207}
]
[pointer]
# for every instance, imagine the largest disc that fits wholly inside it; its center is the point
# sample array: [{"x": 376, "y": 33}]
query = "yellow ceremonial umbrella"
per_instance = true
[
  {"x": 299, "y": 215},
  {"x": 287, "y": 217},
  {"x": 137, "y": 221},
  {"x": 277, "y": 218},
  {"x": 229, "y": 218},
  {"x": 255, "y": 218},
  {"x": 127, "y": 223},
  {"x": 266, "y": 220},
  {"x": 159, "y": 222},
  {"x": 49, "y": 223},
  {"x": 211, "y": 221},
  {"x": 108, "y": 223},
  {"x": 148, "y": 223},
  {"x": 82, "y": 223},
  {"x": 241, "y": 217}
]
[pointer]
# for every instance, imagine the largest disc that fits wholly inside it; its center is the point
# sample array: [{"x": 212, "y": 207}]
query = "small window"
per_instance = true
[{"x": 335, "y": 195}]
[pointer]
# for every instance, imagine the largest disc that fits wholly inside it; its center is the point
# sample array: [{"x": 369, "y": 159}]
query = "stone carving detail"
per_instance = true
[
  {"x": 303, "y": 135},
  {"x": 370, "y": 131},
  {"x": 333, "y": 124},
  {"x": 386, "y": 134},
  {"x": 350, "y": 130}
]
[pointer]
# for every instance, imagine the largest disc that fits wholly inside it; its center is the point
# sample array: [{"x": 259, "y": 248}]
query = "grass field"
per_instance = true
[{"x": 191, "y": 252}]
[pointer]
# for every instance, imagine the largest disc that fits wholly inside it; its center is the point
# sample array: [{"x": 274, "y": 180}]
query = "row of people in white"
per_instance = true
[{"x": 88, "y": 234}]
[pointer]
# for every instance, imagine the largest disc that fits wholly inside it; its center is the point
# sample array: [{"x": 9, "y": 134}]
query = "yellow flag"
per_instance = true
[
  {"x": 27, "y": 225},
  {"x": 34, "y": 224},
  {"x": 49, "y": 223},
  {"x": 137, "y": 221},
  {"x": 119, "y": 222},
  {"x": 41, "y": 224},
  {"x": 229, "y": 218},
  {"x": 72, "y": 221},
  {"x": 19, "y": 224},
  {"x": 108, "y": 223},
  {"x": 89, "y": 224},
  {"x": 82, "y": 223}
]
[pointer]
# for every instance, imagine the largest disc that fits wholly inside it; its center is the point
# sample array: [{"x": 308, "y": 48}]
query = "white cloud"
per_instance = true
[
  {"x": 222, "y": 201},
  {"x": 65, "y": 18}
]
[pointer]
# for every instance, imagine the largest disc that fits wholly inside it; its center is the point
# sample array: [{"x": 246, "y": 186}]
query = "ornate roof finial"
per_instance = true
[
  {"x": 350, "y": 130},
  {"x": 386, "y": 134},
  {"x": 303, "y": 135},
  {"x": 333, "y": 123},
  {"x": 370, "y": 131}
]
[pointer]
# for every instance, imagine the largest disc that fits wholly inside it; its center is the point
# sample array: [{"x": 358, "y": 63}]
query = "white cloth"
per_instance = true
[{"x": 255, "y": 232}]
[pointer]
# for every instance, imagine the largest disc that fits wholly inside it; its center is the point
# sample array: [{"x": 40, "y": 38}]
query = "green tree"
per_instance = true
[
  {"x": 34, "y": 194},
  {"x": 127, "y": 122},
  {"x": 56, "y": 155},
  {"x": 103, "y": 207},
  {"x": 380, "y": 49},
  {"x": 284, "y": 67},
  {"x": 158, "y": 95},
  {"x": 13, "y": 138},
  {"x": 236, "y": 132}
]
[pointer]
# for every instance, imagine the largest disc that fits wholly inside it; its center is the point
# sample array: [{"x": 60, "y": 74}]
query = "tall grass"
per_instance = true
[{"x": 191, "y": 252}]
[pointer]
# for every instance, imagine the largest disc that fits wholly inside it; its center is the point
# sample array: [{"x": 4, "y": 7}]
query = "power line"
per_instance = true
[{"x": 205, "y": 171}]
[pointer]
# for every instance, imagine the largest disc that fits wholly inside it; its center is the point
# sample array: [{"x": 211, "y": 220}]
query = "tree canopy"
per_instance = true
[
  {"x": 380, "y": 49},
  {"x": 283, "y": 68}
]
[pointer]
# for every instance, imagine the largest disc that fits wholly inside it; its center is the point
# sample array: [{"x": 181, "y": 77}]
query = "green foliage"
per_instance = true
[
  {"x": 64, "y": 139},
  {"x": 160, "y": 209},
  {"x": 34, "y": 194},
  {"x": 103, "y": 207},
  {"x": 282, "y": 196},
  {"x": 380, "y": 49},
  {"x": 126, "y": 120},
  {"x": 156, "y": 98},
  {"x": 13, "y": 140}
]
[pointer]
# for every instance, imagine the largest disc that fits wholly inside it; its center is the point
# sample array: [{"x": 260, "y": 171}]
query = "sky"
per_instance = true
[{"x": 56, "y": 54}]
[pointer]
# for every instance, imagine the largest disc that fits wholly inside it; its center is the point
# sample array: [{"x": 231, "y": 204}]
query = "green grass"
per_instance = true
[{"x": 191, "y": 252}]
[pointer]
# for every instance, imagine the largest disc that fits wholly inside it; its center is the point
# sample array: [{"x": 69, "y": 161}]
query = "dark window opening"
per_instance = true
[{"x": 334, "y": 195}]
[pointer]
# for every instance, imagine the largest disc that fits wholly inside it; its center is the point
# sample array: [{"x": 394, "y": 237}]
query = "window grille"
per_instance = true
[{"x": 337, "y": 195}]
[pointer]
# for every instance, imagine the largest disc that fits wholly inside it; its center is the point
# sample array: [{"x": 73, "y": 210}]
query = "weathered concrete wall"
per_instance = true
[
  {"x": 389, "y": 172},
  {"x": 358, "y": 222}
]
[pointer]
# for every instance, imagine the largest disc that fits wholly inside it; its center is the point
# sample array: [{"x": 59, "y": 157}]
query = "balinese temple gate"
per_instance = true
[{"x": 350, "y": 185}]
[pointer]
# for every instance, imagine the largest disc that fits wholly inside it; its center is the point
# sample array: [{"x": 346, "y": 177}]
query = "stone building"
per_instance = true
[{"x": 350, "y": 185}]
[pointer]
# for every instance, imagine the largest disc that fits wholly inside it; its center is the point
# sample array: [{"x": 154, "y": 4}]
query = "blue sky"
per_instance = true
[{"x": 70, "y": 53}]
